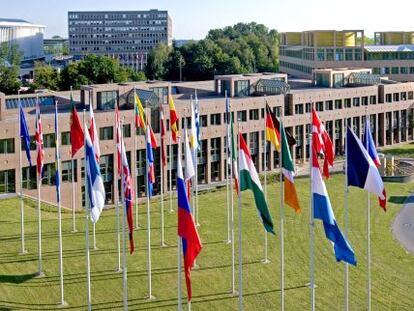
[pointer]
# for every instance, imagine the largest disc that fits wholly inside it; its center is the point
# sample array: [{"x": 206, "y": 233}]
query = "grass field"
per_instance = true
[
  {"x": 392, "y": 269},
  {"x": 400, "y": 151}
]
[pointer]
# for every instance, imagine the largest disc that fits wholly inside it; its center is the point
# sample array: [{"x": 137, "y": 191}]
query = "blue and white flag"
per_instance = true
[
  {"x": 361, "y": 169},
  {"x": 24, "y": 133},
  {"x": 96, "y": 190}
]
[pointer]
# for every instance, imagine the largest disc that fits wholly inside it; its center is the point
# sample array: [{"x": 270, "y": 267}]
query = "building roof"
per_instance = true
[
  {"x": 15, "y": 22},
  {"x": 390, "y": 48}
]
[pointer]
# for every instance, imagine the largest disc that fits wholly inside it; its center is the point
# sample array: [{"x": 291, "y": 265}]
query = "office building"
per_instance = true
[
  {"x": 125, "y": 35},
  {"x": 391, "y": 56},
  {"x": 27, "y": 36},
  {"x": 388, "y": 104}
]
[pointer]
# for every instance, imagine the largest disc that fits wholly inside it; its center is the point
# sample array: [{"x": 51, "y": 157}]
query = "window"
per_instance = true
[
  {"x": 299, "y": 109},
  {"x": 319, "y": 106},
  {"x": 308, "y": 107},
  {"x": 373, "y": 100},
  {"x": 126, "y": 130},
  {"x": 67, "y": 170},
  {"x": 49, "y": 174},
  {"x": 403, "y": 96},
  {"x": 276, "y": 111},
  {"x": 404, "y": 70},
  {"x": 388, "y": 98},
  {"x": 329, "y": 105},
  {"x": 215, "y": 119},
  {"x": 107, "y": 100},
  {"x": 365, "y": 101},
  {"x": 65, "y": 138},
  {"x": 6, "y": 146},
  {"x": 338, "y": 103},
  {"x": 29, "y": 180},
  {"x": 203, "y": 121},
  {"x": 348, "y": 103},
  {"x": 394, "y": 70},
  {"x": 349, "y": 53},
  {"x": 356, "y": 102},
  {"x": 32, "y": 144},
  {"x": 396, "y": 97},
  {"x": 358, "y": 54},
  {"x": 49, "y": 140},
  {"x": 242, "y": 115},
  {"x": 329, "y": 54},
  {"x": 106, "y": 133},
  {"x": 254, "y": 114},
  {"x": 339, "y": 55},
  {"x": 241, "y": 88},
  {"x": 254, "y": 143},
  {"x": 225, "y": 116},
  {"x": 321, "y": 55},
  {"x": 7, "y": 181},
  {"x": 215, "y": 149}
]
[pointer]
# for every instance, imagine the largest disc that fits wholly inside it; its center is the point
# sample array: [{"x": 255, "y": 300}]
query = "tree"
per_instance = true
[
  {"x": 45, "y": 76},
  {"x": 10, "y": 58},
  {"x": 156, "y": 63}
]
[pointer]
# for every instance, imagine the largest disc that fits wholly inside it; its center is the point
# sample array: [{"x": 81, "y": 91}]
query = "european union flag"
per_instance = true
[{"x": 24, "y": 134}]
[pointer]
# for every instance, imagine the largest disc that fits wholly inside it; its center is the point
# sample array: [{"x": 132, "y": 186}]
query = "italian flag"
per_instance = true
[
  {"x": 288, "y": 170},
  {"x": 250, "y": 180}
]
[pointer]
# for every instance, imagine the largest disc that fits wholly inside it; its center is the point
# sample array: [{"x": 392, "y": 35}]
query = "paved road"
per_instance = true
[{"x": 403, "y": 226}]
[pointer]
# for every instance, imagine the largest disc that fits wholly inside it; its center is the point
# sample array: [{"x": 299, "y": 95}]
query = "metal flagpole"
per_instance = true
[
  {"x": 282, "y": 219},
  {"x": 180, "y": 303},
  {"x": 62, "y": 298},
  {"x": 240, "y": 234},
  {"x": 346, "y": 227},
  {"x": 227, "y": 174},
  {"x": 265, "y": 259},
  {"x": 196, "y": 156},
  {"x": 312, "y": 221},
  {"x": 87, "y": 211},
  {"x": 135, "y": 172},
  {"x": 150, "y": 296},
  {"x": 93, "y": 224},
  {"x": 368, "y": 226},
  {"x": 124, "y": 262},
  {"x": 161, "y": 184},
  {"x": 118, "y": 234},
  {"x": 195, "y": 178},
  {"x": 23, "y": 250},
  {"x": 170, "y": 153},
  {"x": 74, "y": 186},
  {"x": 233, "y": 287},
  {"x": 40, "y": 272}
]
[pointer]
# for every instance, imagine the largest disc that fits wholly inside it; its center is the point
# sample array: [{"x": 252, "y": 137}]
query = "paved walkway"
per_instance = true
[{"x": 403, "y": 226}]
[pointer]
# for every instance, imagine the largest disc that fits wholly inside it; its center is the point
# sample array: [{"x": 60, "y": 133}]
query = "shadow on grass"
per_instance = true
[
  {"x": 16, "y": 279},
  {"x": 401, "y": 199}
]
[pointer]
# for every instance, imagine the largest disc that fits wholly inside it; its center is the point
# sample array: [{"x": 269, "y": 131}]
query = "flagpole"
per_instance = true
[
  {"x": 87, "y": 211},
  {"x": 161, "y": 184},
  {"x": 368, "y": 226},
  {"x": 180, "y": 303},
  {"x": 62, "y": 299},
  {"x": 150, "y": 296},
  {"x": 312, "y": 221},
  {"x": 240, "y": 233},
  {"x": 265, "y": 259},
  {"x": 40, "y": 272},
  {"x": 346, "y": 226},
  {"x": 170, "y": 168},
  {"x": 135, "y": 171},
  {"x": 233, "y": 287},
  {"x": 74, "y": 186},
  {"x": 118, "y": 234},
  {"x": 124, "y": 262},
  {"x": 227, "y": 175},
  {"x": 195, "y": 178},
  {"x": 23, "y": 249},
  {"x": 93, "y": 224},
  {"x": 282, "y": 219},
  {"x": 196, "y": 156}
]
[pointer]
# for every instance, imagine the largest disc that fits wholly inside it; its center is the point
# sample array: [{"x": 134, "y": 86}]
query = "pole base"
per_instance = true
[
  {"x": 40, "y": 274},
  {"x": 151, "y": 298},
  {"x": 196, "y": 266},
  {"x": 96, "y": 248},
  {"x": 309, "y": 285},
  {"x": 171, "y": 211},
  {"x": 74, "y": 231},
  {"x": 163, "y": 244},
  {"x": 23, "y": 252},
  {"x": 227, "y": 241},
  {"x": 234, "y": 292},
  {"x": 137, "y": 227},
  {"x": 265, "y": 261},
  {"x": 198, "y": 225},
  {"x": 63, "y": 304},
  {"x": 119, "y": 270}
]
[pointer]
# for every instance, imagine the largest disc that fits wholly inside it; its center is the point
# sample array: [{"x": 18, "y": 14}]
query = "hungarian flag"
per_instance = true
[
  {"x": 39, "y": 142},
  {"x": 93, "y": 133},
  {"x": 272, "y": 133},
  {"x": 76, "y": 132},
  {"x": 187, "y": 230},
  {"x": 162, "y": 130},
  {"x": 173, "y": 120},
  {"x": 250, "y": 180},
  {"x": 288, "y": 170},
  {"x": 322, "y": 143}
]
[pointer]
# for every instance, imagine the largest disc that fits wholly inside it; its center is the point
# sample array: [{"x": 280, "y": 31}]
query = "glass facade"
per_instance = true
[{"x": 107, "y": 100}]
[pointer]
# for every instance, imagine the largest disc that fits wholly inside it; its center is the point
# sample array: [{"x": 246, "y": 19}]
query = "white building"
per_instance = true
[{"x": 28, "y": 37}]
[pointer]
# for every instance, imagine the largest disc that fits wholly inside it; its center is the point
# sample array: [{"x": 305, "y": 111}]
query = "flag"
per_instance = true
[
  {"x": 234, "y": 157},
  {"x": 57, "y": 155},
  {"x": 369, "y": 145},
  {"x": 288, "y": 171},
  {"x": 193, "y": 131},
  {"x": 250, "y": 180},
  {"x": 162, "y": 135},
  {"x": 96, "y": 190},
  {"x": 150, "y": 166},
  {"x": 93, "y": 133},
  {"x": 76, "y": 131},
  {"x": 39, "y": 142},
  {"x": 272, "y": 133},
  {"x": 173, "y": 120},
  {"x": 361, "y": 170},
  {"x": 189, "y": 164},
  {"x": 118, "y": 140},
  {"x": 187, "y": 230},
  {"x": 322, "y": 210},
  {"x": 139, "y": 112},
  {"x": 197, "y": 119},
  {"x": 322, "y": 143},
  {"x": 128, "y": 196},
  {"x": 24, "y": 133},
  {"x": 153, "y": 140}
]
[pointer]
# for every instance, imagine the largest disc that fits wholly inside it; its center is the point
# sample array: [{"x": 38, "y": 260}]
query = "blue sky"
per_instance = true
[{"x": 192, "y": 19}]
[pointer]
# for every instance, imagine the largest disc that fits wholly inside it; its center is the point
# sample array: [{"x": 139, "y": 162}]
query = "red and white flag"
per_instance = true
[
  {"x": 93, "y": 133},
  {"x": 39, "y": 142},
  {"x": 322, "y": 143}
]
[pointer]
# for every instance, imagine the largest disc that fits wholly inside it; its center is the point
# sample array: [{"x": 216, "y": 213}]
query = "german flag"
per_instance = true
[
  {"x": 272, "y": 132},
  {"x": 173, "y": 120}
]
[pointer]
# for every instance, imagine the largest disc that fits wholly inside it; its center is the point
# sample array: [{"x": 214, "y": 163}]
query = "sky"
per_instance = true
[{"x": 193, "y": 19}]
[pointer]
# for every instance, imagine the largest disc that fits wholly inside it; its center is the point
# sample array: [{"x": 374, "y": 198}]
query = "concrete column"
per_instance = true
[
  {"x": 406, "y": 125},
  {"x": 376, "y": 129},
  {"x": 208, "y": 164},
  {"x": 333, "y": 135},
  {"x": 399, "y": 126},
  {"x": 392, "y": 127}
]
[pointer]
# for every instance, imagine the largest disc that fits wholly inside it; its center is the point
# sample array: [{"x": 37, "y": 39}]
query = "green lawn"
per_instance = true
[
  {"x": 400, "y": 151},
  {"x": 392, "y": 270}
]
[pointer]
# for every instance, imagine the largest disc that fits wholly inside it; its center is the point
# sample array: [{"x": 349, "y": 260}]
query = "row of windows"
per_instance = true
[
  {"x": 393, "y": 70},
  {"x": 297, "y": 67},
  {"x": 100, "y": 16},
  {"x": 324, "y": 54}
]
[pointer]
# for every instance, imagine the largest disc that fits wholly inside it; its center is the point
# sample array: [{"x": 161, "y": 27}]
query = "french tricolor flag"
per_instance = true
[
  {"x": 96, "y": 190},
  {"x": 187, "y": 230},
  {"x": 362, "y": 172}
]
